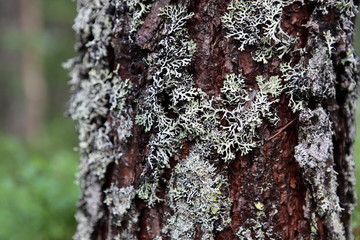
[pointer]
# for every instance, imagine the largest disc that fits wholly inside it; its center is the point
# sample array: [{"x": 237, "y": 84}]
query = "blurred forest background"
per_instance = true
[{"x": 38, "y": 163}]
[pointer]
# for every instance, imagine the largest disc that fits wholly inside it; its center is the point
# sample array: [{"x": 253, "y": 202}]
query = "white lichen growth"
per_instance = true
[
  {"x": 314, "y": 154},
  {"x": 137, "y": 10},
  {"x": 119, "y": 201},
  {"x": 197, "y": 197},
  {"x": 272, "y": 86},
  {"x": 91, "y": 211},
  {"x": 345, "y": 7},
  {"x": 258, "y": 23},
  {"x": 296, "y": 85},
  {"x": 94, "y": 89},
  {"x": 254, "y": 228},
  {"x": 321, "y": 75},
  {"x": 248, "y": 109},
  {"x": 197, "y": 116},
  {"x": 329, "y": 40},
  {"x": 314, "y": 81},
  {"x": 222, "y": 125},
  {"x": 91, "y": 86},
  {"x": 167, "y": 69}
]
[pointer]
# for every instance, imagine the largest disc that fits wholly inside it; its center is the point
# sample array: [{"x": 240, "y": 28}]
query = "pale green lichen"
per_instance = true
[
  {"x": 346, "y": 7},
  {"x": 314, "y": 154},
  {"x": 137, "y": 10},
  {"x": 254, "y": 228},
  {"x": 91, "y": 102},
  {"x": 272, "y": 86},
  {"x": 177, "y": 18},
  {"x": 90, "y": 85},
  {"x": 330, "y": 40},
  {"x": 258, "y": 23},
  {"x": 198, "y": 116},
  {"x": 296, "y": 85},
  {"x": 313, "y": 81},
  {"x": 91, "y": 212},
  {"x": 223, "y": 124},
  {"x": 248, "y": 109},
  {"x": 167, "y": 68},
  {"x": 197, "y": 197},
  {"x": 94, "y": 89},
  {"x": 119, "y": 201}
]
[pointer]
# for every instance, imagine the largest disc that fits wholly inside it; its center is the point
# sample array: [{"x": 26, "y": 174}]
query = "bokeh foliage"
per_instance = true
[{"x": 37, "y": 177}]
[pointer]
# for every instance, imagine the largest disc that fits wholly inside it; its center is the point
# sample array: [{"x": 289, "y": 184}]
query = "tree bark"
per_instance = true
[{"x": 215, "y": 119}]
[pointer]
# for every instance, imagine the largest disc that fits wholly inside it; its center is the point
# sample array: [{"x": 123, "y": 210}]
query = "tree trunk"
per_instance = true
[
  {"x": 215, "y": 119},
  {"x": 32, "y": 70}
]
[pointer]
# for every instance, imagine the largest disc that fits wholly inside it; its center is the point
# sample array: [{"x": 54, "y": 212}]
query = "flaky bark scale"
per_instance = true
[{"x": 215, "y": 119}]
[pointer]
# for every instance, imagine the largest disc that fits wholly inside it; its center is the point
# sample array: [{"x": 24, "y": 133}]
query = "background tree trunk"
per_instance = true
[
  {"x": 215, "y": 119},
  {"x": 32, "y": 71}
]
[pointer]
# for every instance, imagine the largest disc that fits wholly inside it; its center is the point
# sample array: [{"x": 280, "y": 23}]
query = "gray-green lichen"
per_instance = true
[
  {"x": 196, "y": 196},
  {"x": 198, "y": 115},
  {"x": 248, "y": 109},
  {"x": 94, "y": 89},
  {"x": 260, "y": 226},
  {"x": 314, "y": 154},
  {"x": 219, "y": 127},
  {"x": 119, "y": 202},
  {"x": 223, "y": 125},
  {"x": 310, "y": 79},
  {"x": 137, "y": 10},
  {"x": 258, "y": 23},
  {"x": 314, "y": 80},
  {"x": 167, "y": 69},
  {"x": 346, "y": 7}
]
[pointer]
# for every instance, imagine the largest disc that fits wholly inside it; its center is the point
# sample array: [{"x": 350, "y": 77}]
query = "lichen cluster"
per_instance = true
[
  {"x": 308, "y": 79},
  {"x": 314, "y": 154},
  {"x": 119, "y": 202},
  {"x": 312, "y": 80},
  {"x": 258, "y": 23},
  {"x": 346, "y": 7},
  {"x": 243, "y": 111},
  {"x": 168, "y": 70},
  {"x": 197, "y": 116},
  {"x": 196, "y": 196},
  {"x": 256, "y": 227},
  {"x": 223, "y": 125},
  {"x": 94, "y": 89},
  {"x": 137, "y": 10}
]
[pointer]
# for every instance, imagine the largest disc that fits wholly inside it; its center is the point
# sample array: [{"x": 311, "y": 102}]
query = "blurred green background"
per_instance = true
[{"x": 38, "y": 163}]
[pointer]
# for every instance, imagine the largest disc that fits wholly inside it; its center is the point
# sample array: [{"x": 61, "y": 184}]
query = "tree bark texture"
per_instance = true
[{"x": 214, "y": 119}]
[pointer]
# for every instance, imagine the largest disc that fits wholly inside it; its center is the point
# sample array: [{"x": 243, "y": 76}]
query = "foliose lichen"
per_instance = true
[
  {"x": 314, "y": 154},
  {"x": 258, "y": 23},
  {"x": 167, "y": 69},
  {"x": 346, "y": 7},
  {"x": 119, "y": 201},
  {"x": 222, "y": 126},
  {"x": 196, "y": 196},
  {"x": 254, "y": 228},
  {"x": 197, "y": 116},
  {"x": 92, "y": 86},
  {"x": 137, "y": 10},
  {"x": 243, "y": 111},
  {"x": 217, "y": 125}
]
